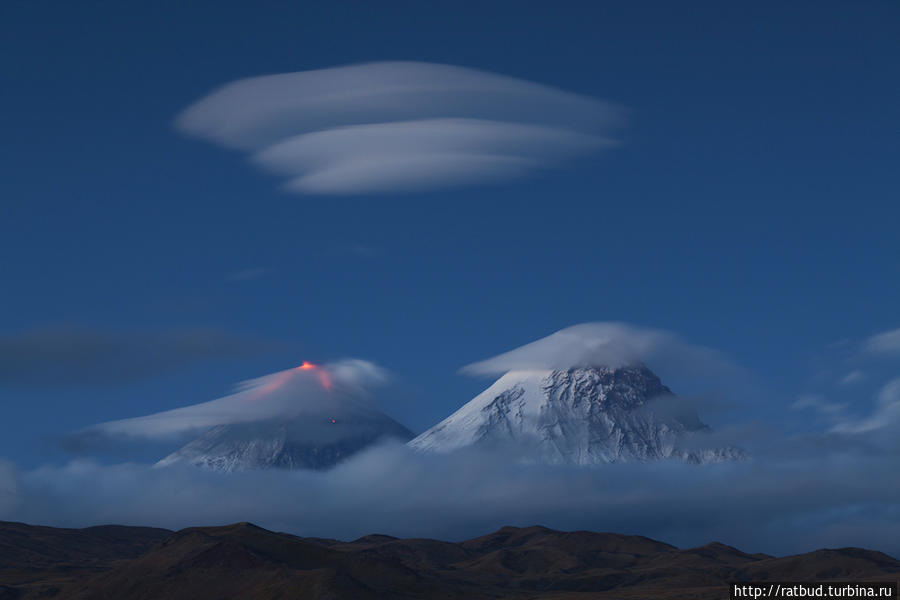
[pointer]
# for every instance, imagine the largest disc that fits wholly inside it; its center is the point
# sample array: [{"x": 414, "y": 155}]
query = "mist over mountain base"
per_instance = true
[{"x": 771, "y": 505}]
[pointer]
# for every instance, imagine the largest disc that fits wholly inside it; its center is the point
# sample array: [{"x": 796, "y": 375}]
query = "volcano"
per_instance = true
[
  {"x": 309, "y": 417},
  {"x": 582, "y": 416}
]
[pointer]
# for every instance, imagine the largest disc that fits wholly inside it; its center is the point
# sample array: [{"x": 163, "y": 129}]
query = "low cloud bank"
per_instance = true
[{"x": 822, "y": 491}]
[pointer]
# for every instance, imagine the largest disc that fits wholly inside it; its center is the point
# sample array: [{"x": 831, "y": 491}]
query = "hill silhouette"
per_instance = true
[{"x": 243, "y": 561}]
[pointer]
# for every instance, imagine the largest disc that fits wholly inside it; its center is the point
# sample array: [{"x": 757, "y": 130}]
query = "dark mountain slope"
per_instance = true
[{"x": 242, "y": 561}]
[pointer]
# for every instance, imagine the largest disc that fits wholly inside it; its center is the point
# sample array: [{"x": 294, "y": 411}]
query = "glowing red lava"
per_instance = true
[
  {"x": 324, "y": 377},
  {"x": 325, "y": 380}
]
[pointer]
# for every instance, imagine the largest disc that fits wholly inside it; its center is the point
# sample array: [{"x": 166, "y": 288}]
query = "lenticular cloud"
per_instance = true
[
  {"x": 608, "y": 344},
  {"x": 399, "y": 126}
]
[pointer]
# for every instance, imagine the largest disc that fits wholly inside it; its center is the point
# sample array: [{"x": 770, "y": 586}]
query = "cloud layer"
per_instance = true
[
  {"x": 828, "y": 491},
  {"x": 399, "y": 126},
  {"x": 91, "y": 357}
]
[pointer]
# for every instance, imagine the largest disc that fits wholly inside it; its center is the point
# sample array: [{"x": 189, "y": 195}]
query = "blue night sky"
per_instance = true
[{"x": 751, "y": 206}]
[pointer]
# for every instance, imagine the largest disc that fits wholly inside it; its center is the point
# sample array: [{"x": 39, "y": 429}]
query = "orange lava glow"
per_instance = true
[
  {"x": 325, "y": 380},
  {"x": 324, "y": 377},
  {"x": 278, "y": 380}
]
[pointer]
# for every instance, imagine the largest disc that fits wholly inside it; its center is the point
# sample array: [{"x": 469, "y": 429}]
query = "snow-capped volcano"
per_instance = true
[
  {"x": 305, "y": 442},
  {"x": 580, "y": 416},
  {"x": 309, "y": 417}
]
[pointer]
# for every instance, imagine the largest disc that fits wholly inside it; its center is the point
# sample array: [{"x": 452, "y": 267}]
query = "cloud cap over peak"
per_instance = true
[
  {"x": 389, "y": 126},
  {"x": 307, "y": 389},
  {"x": 610, "y": 344}
]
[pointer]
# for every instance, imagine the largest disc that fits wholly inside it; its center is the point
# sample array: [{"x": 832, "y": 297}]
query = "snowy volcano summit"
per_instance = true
[{"x": 585, "y": 415}]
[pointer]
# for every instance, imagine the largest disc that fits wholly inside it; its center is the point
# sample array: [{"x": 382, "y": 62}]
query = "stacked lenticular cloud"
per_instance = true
[{"x": 399, "y": 126}]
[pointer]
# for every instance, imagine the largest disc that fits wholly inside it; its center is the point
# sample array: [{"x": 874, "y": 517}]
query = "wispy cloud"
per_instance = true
[
  {"x": 884, "y": 343},
  {"x": 855, "y": 387},
  {"x": 358, "y": 250},
  {"x": 400, "y": 126},
  {"x": 74, "y": 356},
  {"x": 819, "y": 404},
  {"x": 250, "y": 274},
  {"x": 854, "y": 376},
  {"x": 886, "y": 413}
]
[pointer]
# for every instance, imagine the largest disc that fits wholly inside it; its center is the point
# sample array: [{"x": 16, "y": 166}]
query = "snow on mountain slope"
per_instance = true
[
  {"x": 310, "y": 417},
  {"x": 308, "y": 442},
  {"x": 579, "y": 416}
]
